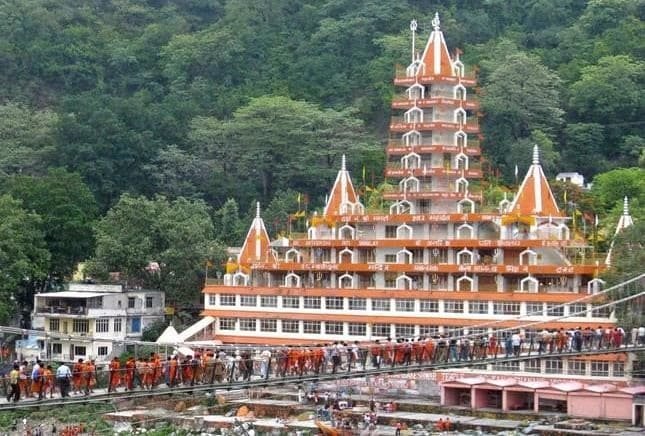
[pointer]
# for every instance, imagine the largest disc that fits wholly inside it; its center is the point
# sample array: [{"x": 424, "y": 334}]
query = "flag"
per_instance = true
[
  {"x": 517, "y": 171},
  {"x": 299, "y": 199},
  {"x": 596, "y": 221},
  {"x": 364, "y": 174},
  {"x": 565, "y": 197}
]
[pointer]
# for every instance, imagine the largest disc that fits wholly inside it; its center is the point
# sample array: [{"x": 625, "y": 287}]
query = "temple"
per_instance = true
[{"x": 435, "y": 260}]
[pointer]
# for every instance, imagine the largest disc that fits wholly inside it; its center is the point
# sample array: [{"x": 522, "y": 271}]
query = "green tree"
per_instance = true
[
  {"x": 611, "y": 187},
  {"x": 157, "y": 243},
  {"x": 27, "y": 139},
  {"x": 23, "y": 256},
  {"x": 229, "y": 229},
  {"x": 68, "y": 212},
  {"x": 520, "y": 98},
  {"x": 583, "y": 148}
]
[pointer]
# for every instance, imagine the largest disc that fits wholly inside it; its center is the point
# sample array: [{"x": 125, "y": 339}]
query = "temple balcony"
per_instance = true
[
  {"x": 403, "y": 102},
  {"x": 447, "y": 194},
  {"x": 401, "y": 78},
  {"x": 396, "y": 169},
  {"x": 400, "y": 124},
  {"x": 398, "y": 147}
]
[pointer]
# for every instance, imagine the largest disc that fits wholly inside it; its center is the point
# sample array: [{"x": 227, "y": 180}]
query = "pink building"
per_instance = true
[{"x": 599, "y": 401}]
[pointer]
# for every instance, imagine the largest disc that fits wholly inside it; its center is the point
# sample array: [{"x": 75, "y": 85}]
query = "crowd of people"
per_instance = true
[{"x": 211, "y": 366}]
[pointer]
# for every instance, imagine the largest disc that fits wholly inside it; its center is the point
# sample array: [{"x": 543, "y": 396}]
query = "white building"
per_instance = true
[
  {"x": 84, "y": 320},
  {"x": 574, "y": 178}
]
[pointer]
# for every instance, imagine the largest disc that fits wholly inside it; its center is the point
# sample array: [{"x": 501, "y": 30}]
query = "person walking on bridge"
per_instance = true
[
  {"x": 14, "y": 377},
  {"x": 63, "y": 377}
]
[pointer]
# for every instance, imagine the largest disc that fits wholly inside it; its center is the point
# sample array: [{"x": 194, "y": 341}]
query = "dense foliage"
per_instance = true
[{"x": 216, "y": 104}]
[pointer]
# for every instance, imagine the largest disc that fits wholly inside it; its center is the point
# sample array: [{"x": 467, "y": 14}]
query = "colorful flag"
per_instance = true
[
  {"x": 364, "y": 174},
  {"x": 565, "y": 197}
]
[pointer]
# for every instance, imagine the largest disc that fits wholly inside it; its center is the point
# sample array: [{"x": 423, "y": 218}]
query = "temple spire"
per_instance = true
[
  {"x": 534, "y": 196},
  {"x": 256, "y": 244},
  {"x": 257, "y": 209},
  {"x": 624, "y": 221},
  {"x": 436, "y": 58},
  {"x": 343, "y": 198}
]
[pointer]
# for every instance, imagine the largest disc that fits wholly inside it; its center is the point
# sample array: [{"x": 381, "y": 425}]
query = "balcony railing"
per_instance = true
[
  {"x": 63, "y": 310},
  {"x": 471, "y": 122}
]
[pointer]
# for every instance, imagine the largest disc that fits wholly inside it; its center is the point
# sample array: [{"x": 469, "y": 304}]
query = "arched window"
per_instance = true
[
  {"x": 404, "y": 231},
  {"x": 465, "y": 257},
  {"x": 529, "y": 284},
  {"x": 411, "y": 138},
  {"x": 293, "y": 255},
  {"x": 528, "y": 257},
  {"x": 414, "y": 115},
  {"x": 346, "y": 281},
  {"x": 465, "y": 231},
  {"x": 461, "y": 161},
  {"x": 466, "y": 205},
  {"x": 411, "y": 161},
  {"x": 415, "y": 92},
  {"x": 459, "y": 92},
  {"x": 401, "y": 207},
  {"x": 460, "y": 116},
  {"x": 346, "y": 256},
  {"x": 292, "y": 280},
  {"x": 347, "y": 232},
  {"x": 240, "y": 279},
  {"x": 461, "y": 185},
  {"x": 404, "y": 256},
  {"x": 595, "y": 286},
  {"x": 409, "y": 184},
  {"x": 403, "y": 282},
  {"x": 465, "y": 284},
  {"x": 461, "y": 138}
]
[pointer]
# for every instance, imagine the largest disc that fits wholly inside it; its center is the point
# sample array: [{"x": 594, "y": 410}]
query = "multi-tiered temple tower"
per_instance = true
[{"x": 433, "y": 261}]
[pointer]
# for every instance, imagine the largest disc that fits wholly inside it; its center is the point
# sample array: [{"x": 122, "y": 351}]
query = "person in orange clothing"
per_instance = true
[
  {"x": 89, "y": 376},
  {"x": 186, "y": 370},
  {"x": 115, "y": 374},
  {"x": 48, "y": 380},
  {"x": 130, "y": 367},
  {"x": 77, "y": 376},
  {"x": 428, "y": 350},
  {"x": 173, "y": 368},
  {"x": 37, "y": 380},
  {"x": 147, "y": 374}
]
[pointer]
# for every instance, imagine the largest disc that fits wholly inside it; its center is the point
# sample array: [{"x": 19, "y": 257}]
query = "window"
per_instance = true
[
  {"x": 54, "y": 325},
  {"x": 390, "y": 231},
  {"x": 117, "y": 325},
  {"x": 148, "y": 302},
  {"x": 57, "y": 348},
  {"x": 533, "y": 365},
  {"x": 312, "y": 303},
  {"x": 554, "y": 310},
  {"x": 553, "y": 366},
  {"x": 79, "y": 351},
  {"x": 131, "y": 302},
  {"x": 334, "y": 303},
  {"x": 81, "y": 326},
  {"x": 390, "y": 258},
  {"x": 619, "y": 369},
  {"x": 248, "y": 324},
  {"x": 404, "y": 330},
  {"x": 102, "y": 351},
  {"x": 312, "y": 327},
  {"x": 404, "y": 305},
  {"x": 428, "y": 330},
  {"x": 291, "y": 302},
  {"x": 428, "y": 305},
  {"x": 227, "y": 323},
  {"x": 453, "y": 306},
  {"x": 248, "y": 300},
  {"x": 212, "y": 300},
  {"x": 357, "y": 329},
  {"x": 227, "y": 300},
  {"x": 269, "y": 301},
  {"x": 381, "y": 304},
  {"x": 333, "y": 328},
  {"x": 135, "y": 324},
  {"x": 534, "y": 309},
  {"x": 478, "y": 307},
  {"x": 357, "y": 303},
  {"x": 506, "y": 366},
  {"x": 599, "y": 368},
  {"x": 289, "y": 326},
  {"x": 381, "y": 330},
  {"x": 269, "y": 325},
  {"x": 603, "y": 312},
  {"x": 453, "y": 332},
  {"x": 102, "y": 325},
  {"x": 478, "y": 331},
  {"x": 506, "y": 308},
  {"x": 577, "y": 367},
  {"x": 578, "y": 308}
]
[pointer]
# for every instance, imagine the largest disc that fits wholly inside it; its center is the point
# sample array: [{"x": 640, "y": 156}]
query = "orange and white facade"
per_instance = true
[{"x": 433, "y": 261}]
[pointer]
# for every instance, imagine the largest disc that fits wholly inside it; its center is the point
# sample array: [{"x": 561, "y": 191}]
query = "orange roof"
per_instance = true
[
  {"x": 534, "y": 196},
  {"x": 256, "y": 244},
  {"x": 342, "y": 194},
  {"x": 436, "y": 58}
]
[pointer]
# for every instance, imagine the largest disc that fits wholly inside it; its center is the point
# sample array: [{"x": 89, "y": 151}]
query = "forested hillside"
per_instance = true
[{"x": 197, "y": 108}]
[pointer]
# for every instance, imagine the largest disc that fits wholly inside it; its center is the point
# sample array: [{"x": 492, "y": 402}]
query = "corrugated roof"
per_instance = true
[{"x": 73, "y": 294}]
